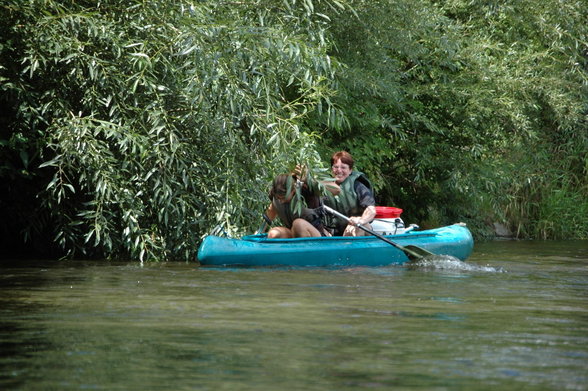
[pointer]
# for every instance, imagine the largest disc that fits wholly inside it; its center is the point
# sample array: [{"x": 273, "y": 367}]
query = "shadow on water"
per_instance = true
[{"x": 23, "y": 335}]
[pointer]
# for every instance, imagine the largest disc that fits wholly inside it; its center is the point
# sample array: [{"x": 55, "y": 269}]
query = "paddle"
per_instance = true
[
  {"x": 264, "y": 224},
  {"x": 412, "y": 252}
]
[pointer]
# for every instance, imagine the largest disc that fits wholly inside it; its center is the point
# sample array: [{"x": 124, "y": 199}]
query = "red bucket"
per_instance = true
[{"x": 387, "y": 212}]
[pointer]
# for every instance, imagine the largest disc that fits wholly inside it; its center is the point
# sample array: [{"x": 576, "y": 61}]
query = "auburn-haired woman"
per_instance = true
[{"x": 356, "y": 198}]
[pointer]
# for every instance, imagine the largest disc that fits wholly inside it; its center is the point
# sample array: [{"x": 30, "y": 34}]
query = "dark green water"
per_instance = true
[{"x": 515, "y": 317}]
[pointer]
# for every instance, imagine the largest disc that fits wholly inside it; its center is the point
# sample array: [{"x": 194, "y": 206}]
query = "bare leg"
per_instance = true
[
  {"x": 279, "y": 232},
  {"x": 303, "y": 229}
]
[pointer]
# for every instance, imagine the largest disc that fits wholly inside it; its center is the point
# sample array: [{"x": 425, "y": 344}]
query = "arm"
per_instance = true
[
  {"x": 368, "y": 215},
  {"x": 332, "y": 187},
  {"x": 271, "y": 212},
  {"x": 269, "y": 215},
  {"x": 366, "y": 200},
  {"x": 316, "y": 186}
]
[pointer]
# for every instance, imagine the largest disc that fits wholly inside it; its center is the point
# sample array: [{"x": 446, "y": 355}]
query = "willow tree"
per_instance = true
[
  {"x": 469, "y": 110},
  {"x": 534, "y": 57},
  {"x": 139, "y": 126}
]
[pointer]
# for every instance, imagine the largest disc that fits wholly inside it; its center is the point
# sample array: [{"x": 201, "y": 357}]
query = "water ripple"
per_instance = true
[{"x": 447, "y": 262}]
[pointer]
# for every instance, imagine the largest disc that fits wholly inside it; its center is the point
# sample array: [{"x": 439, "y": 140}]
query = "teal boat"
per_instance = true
[{"x": 257, "y": 250}]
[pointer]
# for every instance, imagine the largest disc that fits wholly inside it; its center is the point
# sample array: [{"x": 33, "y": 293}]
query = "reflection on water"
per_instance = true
[{"x": 514, "y": 317}]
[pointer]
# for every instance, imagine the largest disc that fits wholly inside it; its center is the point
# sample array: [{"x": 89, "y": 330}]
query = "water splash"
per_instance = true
[{"x": 450, "y": 263}]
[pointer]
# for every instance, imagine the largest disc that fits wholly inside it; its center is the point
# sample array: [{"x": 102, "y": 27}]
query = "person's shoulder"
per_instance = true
[
  {"x": 361, "y": 187},
  {"x": 361, "y": 178}
]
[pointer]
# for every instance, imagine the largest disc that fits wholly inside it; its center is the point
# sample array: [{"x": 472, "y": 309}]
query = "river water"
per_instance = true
[{"x": 514, "y": 317}]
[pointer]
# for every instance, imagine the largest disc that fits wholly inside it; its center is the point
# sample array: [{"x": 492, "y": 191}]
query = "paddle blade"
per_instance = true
[{"x": 415, "y": 252}]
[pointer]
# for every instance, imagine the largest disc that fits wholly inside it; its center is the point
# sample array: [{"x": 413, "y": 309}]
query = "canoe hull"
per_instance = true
[{"x": 256, "y": 250}]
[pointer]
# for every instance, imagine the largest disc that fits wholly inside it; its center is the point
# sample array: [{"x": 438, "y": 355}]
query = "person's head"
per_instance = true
[
  {"x": 282, "y": 188},
  {"x": 341, "y": 165}
]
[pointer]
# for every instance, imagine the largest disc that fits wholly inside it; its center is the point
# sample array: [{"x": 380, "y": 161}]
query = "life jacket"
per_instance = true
[{"x": 346, "y": 202}]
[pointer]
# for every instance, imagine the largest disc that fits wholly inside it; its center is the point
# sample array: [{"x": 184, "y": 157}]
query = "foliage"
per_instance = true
[
  {"x": 154, "y": 121},
  {"x": 133, "y": 129},
  {"x": 444, "y": 100}
]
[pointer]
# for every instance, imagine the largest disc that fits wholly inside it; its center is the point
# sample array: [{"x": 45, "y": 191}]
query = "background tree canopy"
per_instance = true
[{"x": 133, "y": 129}]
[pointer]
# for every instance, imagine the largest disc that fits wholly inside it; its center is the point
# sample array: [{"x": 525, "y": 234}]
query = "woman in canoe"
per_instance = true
[
  {"x": 296, "y": 203},
  {"x": 356, "y": 199}
]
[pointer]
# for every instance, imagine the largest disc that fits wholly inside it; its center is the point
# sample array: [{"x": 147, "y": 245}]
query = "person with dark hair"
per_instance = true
[
  {"x": 355, "y": 200},
  {"x": 296, "y": 204}
]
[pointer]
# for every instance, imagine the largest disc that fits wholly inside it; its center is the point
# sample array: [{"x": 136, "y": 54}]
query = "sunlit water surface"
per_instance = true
[{"x": 514, "y": 317}]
